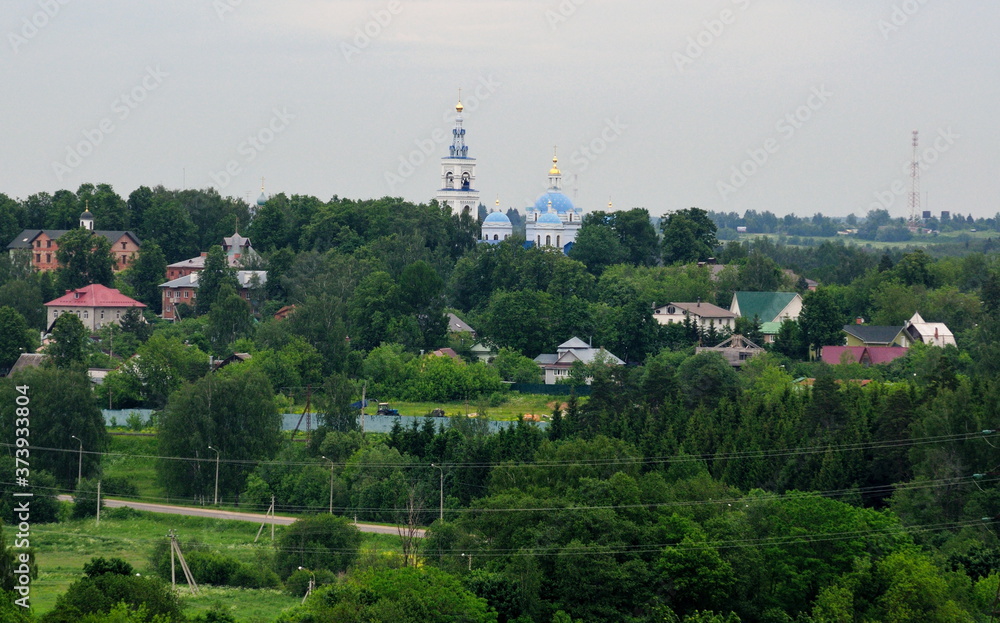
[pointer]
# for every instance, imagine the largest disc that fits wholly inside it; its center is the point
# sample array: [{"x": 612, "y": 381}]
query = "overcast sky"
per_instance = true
[{"x": 657, "y": 104}]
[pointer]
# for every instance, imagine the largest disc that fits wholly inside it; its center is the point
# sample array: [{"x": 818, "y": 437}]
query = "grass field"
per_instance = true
[
  {"x": 515, "y": 406},
  {"x": 951, "y": 237},
  {"x": 63, "y": 548}
]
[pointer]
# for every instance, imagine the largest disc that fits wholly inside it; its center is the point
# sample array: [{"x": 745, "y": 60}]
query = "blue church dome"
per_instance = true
[
  {"x": 497, "y": 218},
  {"x": 262, "y": 199},
  {"x": 550, "y": 218},
  {"x": 560, "y": 202}
]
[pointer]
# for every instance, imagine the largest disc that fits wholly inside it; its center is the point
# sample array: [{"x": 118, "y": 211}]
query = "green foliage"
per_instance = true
[
  {"x": 405, "y": 595},
  {"x": 61, "y": 407},
  {"x": 85, "y": 500},
  {"x": 514, "y": 367},
  {"x": 146, "y": 597},
  {"x": 317, "y": 542},
  {"x": 84, "y": 258},
  {"x": 688, "y": 236},
  {"x": 69, "y": 341},
  {"x": 146, "y": 274},
  {"x": 15, "y": 337},
  {"x": 231, "y": 410}
]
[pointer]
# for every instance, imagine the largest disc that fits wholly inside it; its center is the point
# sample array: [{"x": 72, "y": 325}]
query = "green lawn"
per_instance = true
[
  {"x": 516, "y": 405},
  {"x": 136, "y": 465},
  {"x": 63, "y": 548}
]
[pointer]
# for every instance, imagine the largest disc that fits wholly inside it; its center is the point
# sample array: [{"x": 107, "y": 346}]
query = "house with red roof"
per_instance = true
[{"x": 95, "y": 305}]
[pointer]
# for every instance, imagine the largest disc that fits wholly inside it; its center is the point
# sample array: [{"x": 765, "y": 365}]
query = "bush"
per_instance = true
[
  {"x": 85, "y": 500},
  {"x": 317, "y": 542},
  {"x": 123, "y": 513},
  {"x": 298, "y": 583},
  {"x": 118, "y": 485}
]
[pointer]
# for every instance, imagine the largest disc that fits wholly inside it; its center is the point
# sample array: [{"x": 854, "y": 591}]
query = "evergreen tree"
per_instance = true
[{"x": 211, "y": 279}]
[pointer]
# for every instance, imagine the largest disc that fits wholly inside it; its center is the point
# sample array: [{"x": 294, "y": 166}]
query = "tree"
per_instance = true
[
  {"x": 69, "y": 341},
  {"x": 230, "y": 319},
  {"x": 231, "y": 410},
  {"x": 169, "y": 225},
  {"x": 688, "y": 236},
  {"x": 407, "y": 595},
  {"x": 215, "y": 275},
  {"x": 515, "y": 367},
  {"x": 317, "y": 542},
  {"x": 84, "y": 258},
  {"x": 822, "y": 321},
  {"x": 146, "y": 274},
  {"x": 62, "y": 406},
  {"x": 760, "y": 274},
  {"x": 638, "y": 236},
  {"x": 108, "y": 586},
  {"x": 15, "y": 337},
  {"x": 598, "y": 246},
  {"x": 706, "y": 378},
  {"x": 521, "y": 320}
]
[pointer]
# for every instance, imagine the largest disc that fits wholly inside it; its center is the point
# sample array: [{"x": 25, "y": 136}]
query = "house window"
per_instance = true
[
  {"x": 186, "y": 293},
  {"x": 38, "y": 244},
  {"x": 123, "y": 245},
  {"x": 48, "y": 258},
  {"x": 48, "y": 244},
  {"x": 86, "y": 314},
  {"x": 38, "y": 258},
  {"x": 118, "y": 314}
]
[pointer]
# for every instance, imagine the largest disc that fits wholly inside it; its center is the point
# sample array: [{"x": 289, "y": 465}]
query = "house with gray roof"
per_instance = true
[
  {"x": 860, "y": 334},
  {"x": 557, "y": 365}
]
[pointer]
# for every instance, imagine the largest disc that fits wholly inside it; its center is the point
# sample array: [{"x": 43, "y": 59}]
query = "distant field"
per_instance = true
[
  {"x": 63, "y": 548},
  {"x": 917, "y": 241}
]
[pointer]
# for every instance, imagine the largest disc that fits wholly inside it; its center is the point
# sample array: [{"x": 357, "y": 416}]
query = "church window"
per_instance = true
[
  {"x": 449, "y": 180},
  {"x": 496, "y": 237},
  {"x": 466, "y": 181},
  {"x": 558, "y": 241},
  {"x": 548, "y": 241},
  {"x": 539, "y": 240}
]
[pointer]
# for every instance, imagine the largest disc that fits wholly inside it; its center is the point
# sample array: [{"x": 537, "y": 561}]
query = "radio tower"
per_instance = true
[{"x": 914, "y": 185}]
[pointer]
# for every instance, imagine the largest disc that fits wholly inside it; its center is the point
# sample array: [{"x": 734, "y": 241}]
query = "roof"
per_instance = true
[
  {"x": 704, "y": 310},
  {"x": 447, "y": 352},
  {"x": 873, "y": 334},
  {"x": 875, "y": 355},
  {"x": 242, "y": 276},
  {"x": 94, "y": 295},
  {"x": 26, "y": 237},
  {"x": 27, "y": 360},
  {"x": 770, "y": 328},
  {"x": 573, "y": 342},
  {"x": 560, "y": 202},
  {"x": 764, "y": 305},
  {"x": 457, "y": 325},
  {"x": 497, "y": 218},
  {"x": 198, "y": 263}
]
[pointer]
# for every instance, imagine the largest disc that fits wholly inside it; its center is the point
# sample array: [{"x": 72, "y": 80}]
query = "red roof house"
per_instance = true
[{"x": 95, "y": 305}]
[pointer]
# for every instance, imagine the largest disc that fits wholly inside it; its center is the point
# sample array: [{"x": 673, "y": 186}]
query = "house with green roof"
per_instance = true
[{"x": 767, "y": 306}]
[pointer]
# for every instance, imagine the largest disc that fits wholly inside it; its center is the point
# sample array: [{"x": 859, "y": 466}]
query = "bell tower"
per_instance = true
[{"x": 458, "y": 171}]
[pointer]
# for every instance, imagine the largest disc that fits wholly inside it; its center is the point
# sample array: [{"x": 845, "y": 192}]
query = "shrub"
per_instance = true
[
  {"x": 119, "y": 485},
  {"x": 317, "y": 542},
  {"x": 85, "y": 500}
]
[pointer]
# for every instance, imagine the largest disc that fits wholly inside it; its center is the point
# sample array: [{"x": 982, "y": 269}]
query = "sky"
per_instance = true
[{"x": 727, "y": 105}]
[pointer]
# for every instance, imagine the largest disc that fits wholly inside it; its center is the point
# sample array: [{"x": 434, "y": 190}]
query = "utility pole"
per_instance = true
[
  {"x": 175, "y": 550},
  {"x": 79, "y": 463},
  {"x": 216, "y": 502},
  {"x": 98, "y": 502},
  {"x": 331, "y": 485},
  {"x": 441, "y": 514}
]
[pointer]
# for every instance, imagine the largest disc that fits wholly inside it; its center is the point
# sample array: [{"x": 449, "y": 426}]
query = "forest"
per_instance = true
[{"x": 678, "y": 489}]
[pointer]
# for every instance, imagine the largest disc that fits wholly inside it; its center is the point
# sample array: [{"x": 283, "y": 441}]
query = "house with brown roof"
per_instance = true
[
  {"x": 703, "y": 315},
  {"x": 865, "y": 355},
  {"x": 95, "y": 305}
]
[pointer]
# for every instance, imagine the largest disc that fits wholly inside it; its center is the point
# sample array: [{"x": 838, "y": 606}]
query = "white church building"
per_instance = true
[{"x": 553, "y": 221}]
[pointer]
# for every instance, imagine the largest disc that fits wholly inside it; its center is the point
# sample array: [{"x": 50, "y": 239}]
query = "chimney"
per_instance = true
[
  {"x": 699, "y": 302},
  {"x": 859, "y": 320}
]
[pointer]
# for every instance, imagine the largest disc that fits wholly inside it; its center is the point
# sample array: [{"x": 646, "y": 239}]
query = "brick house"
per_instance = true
[
  {"x": 43, "y": 244},
  {"x": 184, "y": 290}
]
